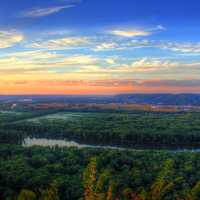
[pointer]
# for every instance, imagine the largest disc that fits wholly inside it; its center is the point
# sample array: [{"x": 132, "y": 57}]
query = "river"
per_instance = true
[{"x": 44, "y": 142}]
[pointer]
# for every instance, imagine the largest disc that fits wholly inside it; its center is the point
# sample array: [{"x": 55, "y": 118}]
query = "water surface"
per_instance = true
[
  {"x": 44, "y": 142},
  {"x": 29, "y": 142}
]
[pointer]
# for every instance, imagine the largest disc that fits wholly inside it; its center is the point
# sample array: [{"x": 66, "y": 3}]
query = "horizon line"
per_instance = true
[{"x": 163, "y": 93}]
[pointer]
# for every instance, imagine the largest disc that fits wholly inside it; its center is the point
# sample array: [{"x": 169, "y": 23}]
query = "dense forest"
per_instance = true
[
  {"x": 55, "y": 173},
  {"x": 129, "y": 129},
  {"x": 69, "y": 173}
]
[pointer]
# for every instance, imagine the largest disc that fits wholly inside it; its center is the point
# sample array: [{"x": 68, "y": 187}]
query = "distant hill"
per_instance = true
[
  {"x": 160, "y": 99},
  {"x": 154, "y": 99}
]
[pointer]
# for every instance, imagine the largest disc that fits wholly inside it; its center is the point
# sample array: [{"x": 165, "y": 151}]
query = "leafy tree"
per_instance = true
[
  {"x": 26, "y": 195},
  {"x": 51, "y": 193}
]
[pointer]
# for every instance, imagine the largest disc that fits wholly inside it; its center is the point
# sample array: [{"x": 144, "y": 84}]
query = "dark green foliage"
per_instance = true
[
  {"x": 36, "y": 172},
  {"x": 136, "y": 129},
  {"x": 35, "y": 169}
]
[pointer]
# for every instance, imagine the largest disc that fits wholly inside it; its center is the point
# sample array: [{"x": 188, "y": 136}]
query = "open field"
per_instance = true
[{"x": 64, "y": 116}]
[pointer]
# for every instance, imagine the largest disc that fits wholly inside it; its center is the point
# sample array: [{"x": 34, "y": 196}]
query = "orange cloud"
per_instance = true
[
  {"x": 99, "y": 87},
  {"x": 62, "y": 88}
]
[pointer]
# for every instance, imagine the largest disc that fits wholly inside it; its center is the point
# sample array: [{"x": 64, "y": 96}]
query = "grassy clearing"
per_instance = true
[
  {"x": 7, "y": 116},
  {"x": 10, "y": 113},
  {"x": 66, "y": 116}
]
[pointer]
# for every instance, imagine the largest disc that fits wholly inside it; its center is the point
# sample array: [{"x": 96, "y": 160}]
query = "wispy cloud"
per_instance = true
[
  {"x": 49, "y": 10},
  {"x": 100, "y": 86},
  {"x": 134, "y": 32},
  {"x": 184, "y": 47},
  {"x": 123, "y": 44},
  {"x": 10, "y": 38},
  {"x": 41, "y": 12},
  {"x": 169, "y": 83},
  {"x": 32, "y": 55},
  {"x": 32, "y": 61},
  {"x": 181, "y": 47},
  {"x": 106, "y": 46},
  {"x": 90, "y": 66},
  {"x": 60, "y": 43},
  {"x": 130, "y": 33},
  {"x": 150, "y": 64}
]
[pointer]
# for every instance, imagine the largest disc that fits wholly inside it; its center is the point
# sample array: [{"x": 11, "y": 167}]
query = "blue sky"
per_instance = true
[{"x": 109, "y": 46}]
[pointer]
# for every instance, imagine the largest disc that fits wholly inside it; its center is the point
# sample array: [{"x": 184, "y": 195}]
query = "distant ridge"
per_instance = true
[
  {"x": 160, "y": 99},
  {"x": 154, "y": 99}
]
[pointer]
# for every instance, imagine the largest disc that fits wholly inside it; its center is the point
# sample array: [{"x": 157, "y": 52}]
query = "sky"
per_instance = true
[{"x": 99, "y": 46}]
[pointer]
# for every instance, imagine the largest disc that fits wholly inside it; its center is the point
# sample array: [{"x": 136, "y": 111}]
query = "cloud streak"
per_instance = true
[
  {"x": 49, "y": 10},
  {"x": 135, "y": 32},
  {"x": 42, "y": 12},
  {"x": 60, "y": 43},
  {"x": 187, "y": 48},
  {"x": 10, "y": 38},
  {"x": 112, "y": 86},
  {"x": 130, "y": 33}
]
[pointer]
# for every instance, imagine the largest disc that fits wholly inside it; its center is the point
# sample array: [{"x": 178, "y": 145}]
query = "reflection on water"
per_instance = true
[{"x": 29, "y": 142}]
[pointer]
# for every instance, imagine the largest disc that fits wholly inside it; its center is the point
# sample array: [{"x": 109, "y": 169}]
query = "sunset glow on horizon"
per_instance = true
[{"x": 86, "y": 47}]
